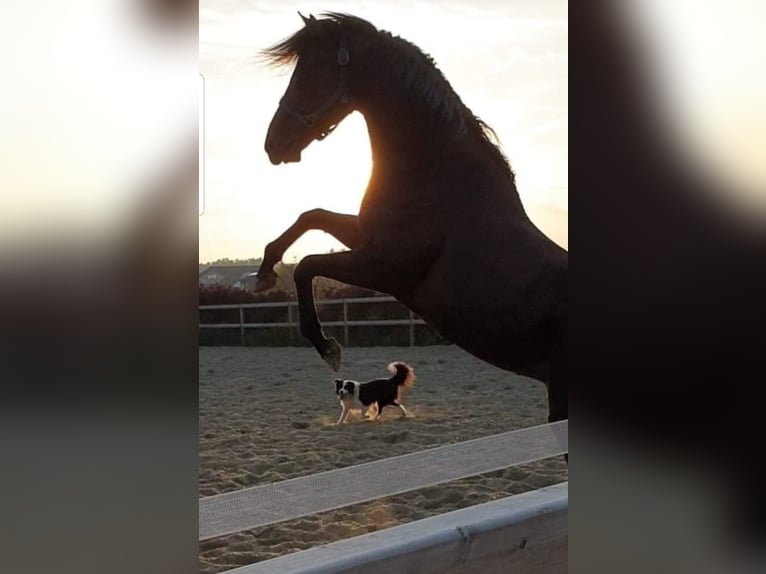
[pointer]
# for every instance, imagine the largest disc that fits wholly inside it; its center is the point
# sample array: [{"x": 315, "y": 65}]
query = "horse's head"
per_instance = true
[{"x": 317, "y": 96}]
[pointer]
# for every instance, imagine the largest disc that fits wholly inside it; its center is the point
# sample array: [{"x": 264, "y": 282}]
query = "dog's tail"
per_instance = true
[{"x": 404, "y": 375}]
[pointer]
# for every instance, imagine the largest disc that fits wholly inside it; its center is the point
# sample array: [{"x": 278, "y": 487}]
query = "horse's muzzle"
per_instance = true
[{"x": 289, "y": 153}]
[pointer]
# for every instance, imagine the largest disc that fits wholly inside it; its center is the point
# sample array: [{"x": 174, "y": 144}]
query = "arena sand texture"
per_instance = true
[{"x": 267, "y": 414}]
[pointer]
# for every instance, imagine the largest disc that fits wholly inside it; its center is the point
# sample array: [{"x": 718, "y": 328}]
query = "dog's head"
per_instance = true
[{"x": 344, "y": 388}]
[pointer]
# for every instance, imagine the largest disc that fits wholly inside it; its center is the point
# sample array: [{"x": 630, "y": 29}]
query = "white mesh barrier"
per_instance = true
[{"x": 266, "y": 504}]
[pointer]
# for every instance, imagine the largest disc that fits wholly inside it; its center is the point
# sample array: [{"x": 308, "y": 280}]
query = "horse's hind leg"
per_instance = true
[
  {"x": 558, "y": 397},
  {"x": 558, "y": 409},
  {"x": 341, "y": 226}
]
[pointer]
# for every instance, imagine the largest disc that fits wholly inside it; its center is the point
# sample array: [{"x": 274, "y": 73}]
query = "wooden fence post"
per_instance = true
[
  {"x": 242, "y": 325},
  {"x": 290, "y": 321},
  {"x": 345, "y": 323}
]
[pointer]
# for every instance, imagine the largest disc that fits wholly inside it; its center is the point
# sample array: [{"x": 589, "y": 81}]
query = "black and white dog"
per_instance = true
[{"x": 380, "y": 392}]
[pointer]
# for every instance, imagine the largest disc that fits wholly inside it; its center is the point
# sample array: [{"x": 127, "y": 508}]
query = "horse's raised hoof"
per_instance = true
[
  {"x": 331, "y": 352},
  {"x": 265, "y": 281}
]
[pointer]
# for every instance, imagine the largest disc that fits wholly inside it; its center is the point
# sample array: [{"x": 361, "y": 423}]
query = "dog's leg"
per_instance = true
[
  {"x": 405, "y": 413},
  {"x": 343, "y": 414}
]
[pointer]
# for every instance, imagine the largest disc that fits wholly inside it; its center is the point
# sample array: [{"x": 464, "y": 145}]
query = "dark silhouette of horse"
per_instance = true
[{"x": 441, "y": 226}]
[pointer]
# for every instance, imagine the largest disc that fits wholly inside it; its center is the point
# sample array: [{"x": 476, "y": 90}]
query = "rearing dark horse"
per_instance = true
[{"x": 441, "y": 226}]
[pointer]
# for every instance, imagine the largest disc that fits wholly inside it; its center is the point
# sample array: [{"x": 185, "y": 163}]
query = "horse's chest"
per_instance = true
[{"x": 386, "y": 217}]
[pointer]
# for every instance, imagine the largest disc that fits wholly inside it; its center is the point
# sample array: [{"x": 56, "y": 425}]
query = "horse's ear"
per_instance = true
[{"x": 307, "y": 21}]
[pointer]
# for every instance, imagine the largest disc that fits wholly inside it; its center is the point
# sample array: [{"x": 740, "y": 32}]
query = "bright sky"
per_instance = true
[
  {"x": 97, "y": 105},
  {"x": 509, "y": 66}
]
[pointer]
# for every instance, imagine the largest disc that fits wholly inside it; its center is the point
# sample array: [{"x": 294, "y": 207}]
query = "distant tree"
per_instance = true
[{"x": 229, "y": 261}]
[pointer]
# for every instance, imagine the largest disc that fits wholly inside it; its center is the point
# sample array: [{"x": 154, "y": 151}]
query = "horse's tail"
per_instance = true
[{"x": 404, "y": 375}]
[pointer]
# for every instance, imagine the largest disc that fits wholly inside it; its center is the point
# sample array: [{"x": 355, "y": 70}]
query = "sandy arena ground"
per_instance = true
[{"x": 267, "y": 414}]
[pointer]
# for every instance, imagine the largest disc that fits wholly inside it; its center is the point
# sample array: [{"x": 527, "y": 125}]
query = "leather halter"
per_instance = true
[{"x": 339, "y": 95}]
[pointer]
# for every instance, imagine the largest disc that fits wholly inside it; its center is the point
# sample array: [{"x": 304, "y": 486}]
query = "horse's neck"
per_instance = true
[
  {"x": 401, "y": 139},
  {"x": 408, "y": 143}
]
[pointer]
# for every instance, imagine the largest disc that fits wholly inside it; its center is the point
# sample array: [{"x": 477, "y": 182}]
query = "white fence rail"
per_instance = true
[
  {"x": 525, "y": 533},
  {"x": 292, "y": 317}
]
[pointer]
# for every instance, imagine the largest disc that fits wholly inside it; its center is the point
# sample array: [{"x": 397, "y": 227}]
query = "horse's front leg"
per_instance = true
[
  {"x": 344, "y": 228},
  {"x": 356, "y": 267}
]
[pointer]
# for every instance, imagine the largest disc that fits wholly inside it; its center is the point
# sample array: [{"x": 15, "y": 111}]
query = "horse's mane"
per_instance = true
[{"x": 397, "y": 59}]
